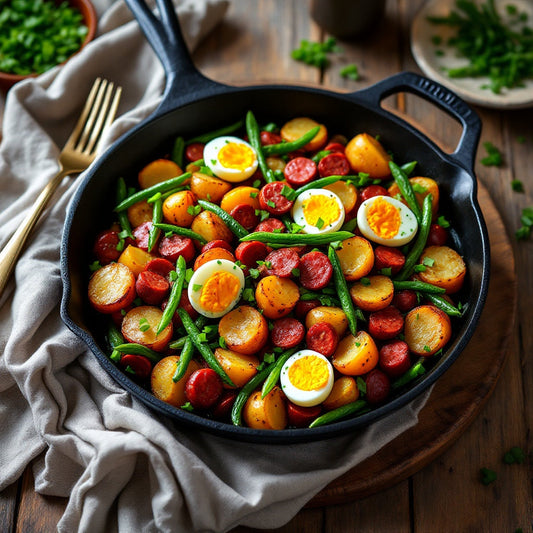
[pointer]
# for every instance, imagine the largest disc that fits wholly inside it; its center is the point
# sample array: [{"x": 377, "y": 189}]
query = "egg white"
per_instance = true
[
  {"x": 408, "y": 223},
  {"x": 200, "y": 277},
  {"x": 300, "y": 397},
  {"x": 212, "y": 160},
  {"x": 299, "y": 216}
]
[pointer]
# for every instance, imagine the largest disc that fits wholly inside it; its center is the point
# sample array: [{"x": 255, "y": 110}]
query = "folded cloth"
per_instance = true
[{"x": 122, "y": 466}]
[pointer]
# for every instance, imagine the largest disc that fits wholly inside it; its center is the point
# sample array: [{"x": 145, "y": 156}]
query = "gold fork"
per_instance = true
[{"x": 78, "y": 153}]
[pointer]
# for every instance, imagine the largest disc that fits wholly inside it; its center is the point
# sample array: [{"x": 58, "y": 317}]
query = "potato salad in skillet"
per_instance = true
[{"x": 277, "y": 276}]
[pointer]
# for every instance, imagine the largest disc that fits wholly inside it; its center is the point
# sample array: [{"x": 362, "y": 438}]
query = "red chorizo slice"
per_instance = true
[
  {"x": 172, "y": 247},
  {"x": 160, "y": 266},
  {"x": 386, "y": 323},
  {"x": 271, "y": 198},
  {"x": 223, "y": 407},
  {"x": 245, "y": 215},
  {"x": 217, "y": 243},
  {"x": 304, "y": 306},
  {"x": 377, "y": 386},
  {"x": 151, "y": 287},
  {"x": 271, "y": 224},
  {"x": 322, "y": 338},
  {"x": 437, "y": 235},
  {"x": 394, "y": 358},
  {"x": 405, "y": 300},
  {"x": 268, "y": 137},
  {"x": 282, "y": 262},
  {"x": 194, "y": 151},
  {"x": 141, "y": 234},
  {"x": 387, "y": 257},
  {"x": 334, "y": 164},
  {"x": 300, "y": 416},
  {"x": 335, "y": 147},
  {"x": 287, "y": 333},
  {"x": 203, "y": 388},
  {"x": 300, "y": 170},
  {"x": 105, "y": 247},
  {"x": 139, "y": 365},
  {"x": 248, "y": 253},
  {"x": 315, "y": 270}
]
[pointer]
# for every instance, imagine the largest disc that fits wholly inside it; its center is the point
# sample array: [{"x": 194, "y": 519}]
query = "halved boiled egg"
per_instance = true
[
  {"x": 216, "y": 287},
  {"x": 387, "y": 221},
  {"x": 318, "y": 211},
  {"x": 230, "y": 158},
  {"x": 307, "y": 378}
]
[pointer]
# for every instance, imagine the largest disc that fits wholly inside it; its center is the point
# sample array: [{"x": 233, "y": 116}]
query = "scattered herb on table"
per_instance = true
[
  {"x": 524, "y": 231},
  {"x": 500, "y": 48},
  {"x": 494, "y": 157},
  {"x": 350, "y": 71},
  {"x": 315, "y": 53},
  {"x": 517, "y": 186},
  {"x": 488, "y": 476},
  {"x": 514, "y": 455},
  {"x": 36, "y": 36}
]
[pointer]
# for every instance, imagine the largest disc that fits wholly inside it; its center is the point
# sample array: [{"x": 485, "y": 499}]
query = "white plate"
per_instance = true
[{"x": 470, "y": 89}]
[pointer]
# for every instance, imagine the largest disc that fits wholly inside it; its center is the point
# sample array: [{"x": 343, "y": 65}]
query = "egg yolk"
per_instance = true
[
  {"x": 219, "y": 291},
  {"x": 236, "y": 156},
  {"x": 309, "y": 373},
  {"x": 323, "y": 207},
  {"x": 383, "y": 218}
]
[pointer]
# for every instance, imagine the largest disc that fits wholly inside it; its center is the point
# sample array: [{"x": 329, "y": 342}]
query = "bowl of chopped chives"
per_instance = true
[{"x": 37, "y": 35}]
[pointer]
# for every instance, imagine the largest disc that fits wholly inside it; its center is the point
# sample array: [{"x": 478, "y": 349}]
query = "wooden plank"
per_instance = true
[
  {"x": 307, "y": 521},
  {"x": 8, "y": 506}
]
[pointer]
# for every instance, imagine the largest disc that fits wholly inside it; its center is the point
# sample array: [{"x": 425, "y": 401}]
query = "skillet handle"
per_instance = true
[
  {"x": 184, "y": 82},
  {"x": 445, "y": 99}
]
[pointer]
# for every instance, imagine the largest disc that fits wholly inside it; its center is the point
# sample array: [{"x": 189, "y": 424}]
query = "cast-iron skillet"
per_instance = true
[{"x": 193, "y": 104}]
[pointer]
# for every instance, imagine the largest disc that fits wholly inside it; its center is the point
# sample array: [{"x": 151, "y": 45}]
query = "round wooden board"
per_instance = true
[{"x": 458, "y": 395}]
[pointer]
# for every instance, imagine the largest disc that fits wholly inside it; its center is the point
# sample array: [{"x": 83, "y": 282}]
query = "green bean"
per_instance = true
[
  {"x": 226, "y": 130},
  {"x": 407, "y": 168},
  {"x": 416, "y": 285},
  {"x": 157, "y": 217},
  {"x": 401, "y": 179},
  {"x": 123, "y": 219},
  {"x": 273, "y": 377},
  {"x": 415, "y": 371},
  {"x": 294, "y": 239},
  {"x": 178, "y": 344},
  {"x": 443, "y": 305},
  {"x": 175, "y": 295},
  {"x": 184, "y": 360},
  {"x": 150, "y": 191},
  {"x": 114, "y": 338},
  {"x": 203, "y": 347},
  {"x": 139, "y": 349},
  {"x": 317, "y": 184},
  {"x": 337, "y": 414},
  {"x": 420, "y": 242},
  {"x": 177, "y": 151},
  {"x": 232, "y": 224},
  {"x": 186, "y": 232},
  {"x": 254, "y": 136},
  {"x": 342, "y": 290},
  {"x": 351, "y": 225},
  {"x": 245, "y": 392},
  {"x": 286, "y": 147}
]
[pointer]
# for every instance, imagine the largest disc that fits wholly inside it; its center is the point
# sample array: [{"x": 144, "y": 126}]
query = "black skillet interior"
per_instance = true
[{"x": 208, "y": 105}]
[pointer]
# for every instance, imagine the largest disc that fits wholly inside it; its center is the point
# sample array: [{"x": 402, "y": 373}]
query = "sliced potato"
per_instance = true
[
  {"x": 239, "y": 367},
  {"x": 372, "y": 293},
  {"x": 356, "y": 355},
  {"x": 245, "y": 330},
  {"x": 366, "y": 154},
  {"x": 211, "y": 227},
  {"x": 299, "y": 126},
  {"x": 427, "y": 329},
  {"x": 276, "y": 296},
  {"x": 210, "y": 255},
  {"x": 275, "y": 163},
  {"x": 356, "y": 258},
  {"x": 112, "y": 288},
  {"x": 346, "y": 192},
  {"x": 177, "y": 208},
  {"x": 344, "y": 391},
  {"x": 140, "y": 326},
  {"x": 135, "y": 259},
  {"x": 240, "y": 195},
  {"x": 269, "y": 412},
  {"x": 444, "y": 268},
  {"x": 334, "y": 316},
  {"x": 157, "y": 171},
  {"x": 209, "y": 188},
  {"x": 139, "y": 213},
  {"x": 162, "y": 385},
  {"x": 422, "y": 187}
]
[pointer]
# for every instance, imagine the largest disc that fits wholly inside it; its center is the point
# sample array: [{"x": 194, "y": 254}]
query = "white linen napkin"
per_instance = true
[{"x": 123, "y": 467}]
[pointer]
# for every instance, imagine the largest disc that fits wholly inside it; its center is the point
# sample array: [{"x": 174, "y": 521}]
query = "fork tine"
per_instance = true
[
  {"x": 112, "y": 110},
  {"x": 82, "y": 141},
  {"x": 84, "y": 114},
  {"x": 99, "y": 121}
]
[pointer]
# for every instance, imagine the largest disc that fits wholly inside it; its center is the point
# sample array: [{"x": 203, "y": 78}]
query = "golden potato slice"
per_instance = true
[
  {"x": 372, "y": 293},
  {"x": 269, "y": 412},
  {"x": 275, "y": 163},
  {"x": 212, "y": 254},
  {"x": 344, "y": 391},
  {"x": 422, "y": 187},
  {"x": 347, "y": 192},
  {"x": 139, "y": 213},
  {"x": 427, "y": 329},
  {"x": 135, "y": 259},
  {"x": 276, "y": 296},
  {"x": 239, "y": 367},
  {"x": 356, "y": 355},
  {"x": 356, "y": 258},
  {"x": 334, "y": 316},
  {"x": 162, "y": 385},
  {"x": 444, "y": 268},
  {"x": 112, "y": 288},
  {"x": 158, "y": 171},
  {"x": 244, "y": 329},
  {"x": 240, "y": 195},
  {"x": 209, "y": 188},
  {"x": 366, "y": 154},
  {"x": 211, "y": 227},
  {"x": 140, "y": 326},
  {"x": 177, "y": 208},
  {"x": 295, "y": 128}
]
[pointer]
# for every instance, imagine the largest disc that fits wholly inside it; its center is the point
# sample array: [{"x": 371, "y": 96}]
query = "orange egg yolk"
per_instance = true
[
  {"x": 383, "y": 218},
  {"x": 309, "y": 373},
  {"x": 219, "y": 291},
  {"x": 236, "y": 155},
  {"x": 321, "y": 207}
]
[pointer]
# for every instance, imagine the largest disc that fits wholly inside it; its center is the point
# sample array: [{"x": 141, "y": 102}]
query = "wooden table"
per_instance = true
[{"x": 253, "y": 45}]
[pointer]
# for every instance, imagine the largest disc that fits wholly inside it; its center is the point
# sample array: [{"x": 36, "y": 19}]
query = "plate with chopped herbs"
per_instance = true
[{"x": 481, "y": 49}]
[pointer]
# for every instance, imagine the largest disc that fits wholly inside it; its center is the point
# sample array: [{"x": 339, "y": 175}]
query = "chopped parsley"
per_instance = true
[{"x": 494, "y": 157}]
